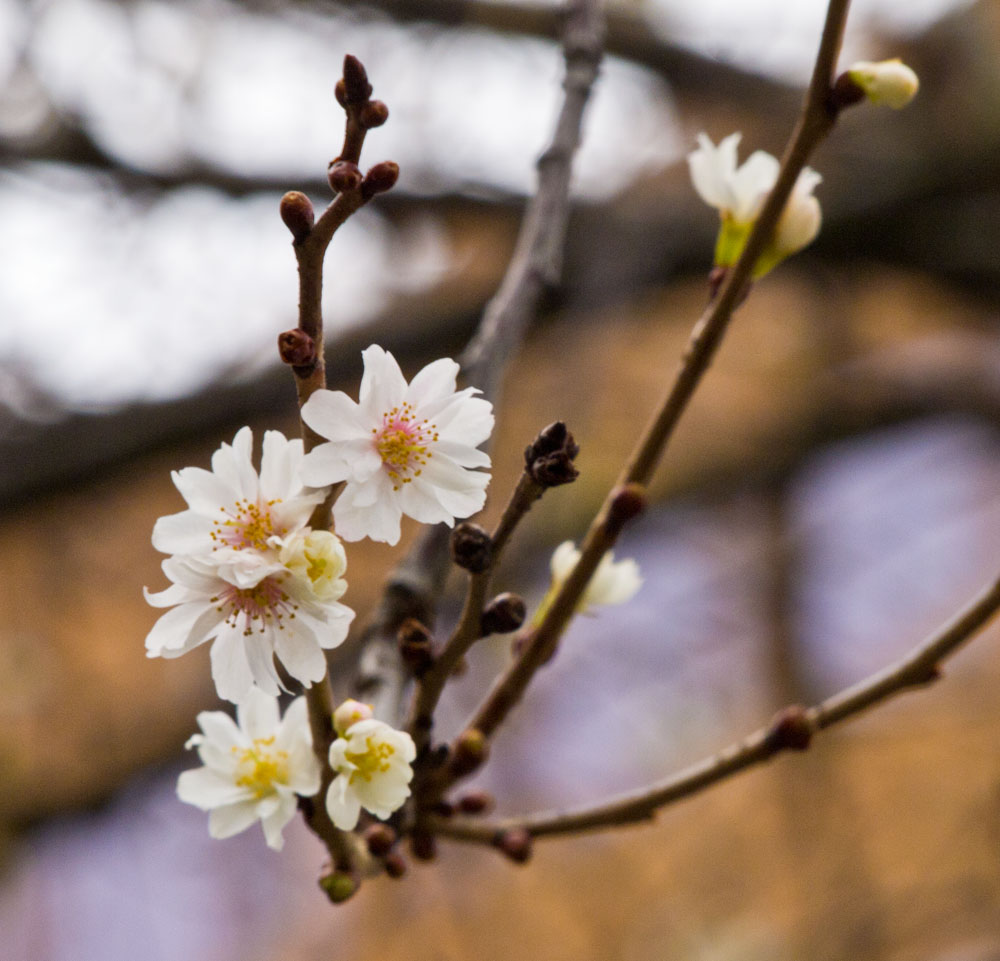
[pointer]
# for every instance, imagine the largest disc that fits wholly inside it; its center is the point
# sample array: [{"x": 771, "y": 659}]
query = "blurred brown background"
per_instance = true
[{"x": 831, "y": 497}]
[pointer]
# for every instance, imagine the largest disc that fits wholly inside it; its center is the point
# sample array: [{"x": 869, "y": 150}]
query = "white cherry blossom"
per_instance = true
[
  {"x": 252, "y": 768},
  {"x": 614, "y": 582},
  {"x": 373, "y": 765},
  {"x": 738, "y": 193},
  {"x": 288, "y": 612},
  {"x": 236, "y": 516},
  {"x": 402, "y": 448}
]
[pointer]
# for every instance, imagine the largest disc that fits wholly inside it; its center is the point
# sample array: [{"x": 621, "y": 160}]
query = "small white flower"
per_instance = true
[
  {"x": 319, "y": 557},
  {"x": 235, "y": 516},
  {"x": 281, "y": 614},
  {"x": 614, "y": 582},
  {"x": 738, "y": 194},
  {"x": 890, "y": 82},
  {"x": 402, "y": 449},
  {"x": 373, "y": 765},
  {"x": 252, "y": 769}
]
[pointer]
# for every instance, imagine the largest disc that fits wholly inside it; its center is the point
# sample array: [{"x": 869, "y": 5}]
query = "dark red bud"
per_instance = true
[
  {"x": 505, "y": 613},
  {"x": 790, "y": 729},
  {"x": 297, "y": 348},
  {"x": 627, "y": 501},
  {"x": 475, "y": 802},
  {"x": 470, "y": 751},
  {"x": 380, "y": 838},
  {"x": 342, "y": 176},
  {"x": 423, "y": 846},
  {"x": 471, "y": 547},
  {"x": 549, "y": 457},
  {"x": 340, "y": 92},
  {"x": 297, "y": 213},
  {"x": 373, "y": 114},
  {"x": 380, "y": 178},
  {"x": 357, "y": 89},
  {"x": 415, "y": 646},
  {"x": 395, "y": 864},
  {"x": 845, "y": 93},
  {"x": 515, "y": 843}
]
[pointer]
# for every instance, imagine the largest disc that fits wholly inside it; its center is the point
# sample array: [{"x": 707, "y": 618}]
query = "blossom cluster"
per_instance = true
[{"x": 251, "y": 572}]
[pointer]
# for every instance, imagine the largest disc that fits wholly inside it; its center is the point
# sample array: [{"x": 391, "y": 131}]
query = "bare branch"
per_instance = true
[
  {"x": 815, "y": 122},
  {"x": 537, "y": 262},
  {"x": 791, "y": 729}
]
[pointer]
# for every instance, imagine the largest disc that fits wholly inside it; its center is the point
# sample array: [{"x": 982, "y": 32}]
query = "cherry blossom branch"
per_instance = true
[
  {"x": 302, "y": 349},
  {"x": 536, "y": 263},
  {"x": 790, "y": 729},
  {"x": 623, "y": 501}
]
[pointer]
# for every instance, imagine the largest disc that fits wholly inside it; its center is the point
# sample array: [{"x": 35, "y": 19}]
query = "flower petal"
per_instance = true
[
  {"x": 258, "y": 714},
  {"x": 230, "y": 669},
  {"x": 224, "y": 822}
]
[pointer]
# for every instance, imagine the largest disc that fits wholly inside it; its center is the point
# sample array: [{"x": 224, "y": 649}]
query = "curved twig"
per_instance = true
[{"x": 791, "y": 729}]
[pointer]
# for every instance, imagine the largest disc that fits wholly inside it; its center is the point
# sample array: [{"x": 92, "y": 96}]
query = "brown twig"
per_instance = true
[
  {"x": 302, "y": 349},
  {"x": 469, "y": 628},
  {"x": 791, "y": 729},
  {"x": 536, "y": 263},
  {"x": 816, "y": 120}
]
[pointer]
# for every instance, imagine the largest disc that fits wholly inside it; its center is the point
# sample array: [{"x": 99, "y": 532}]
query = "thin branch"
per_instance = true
[
  {"x": 790, "y": 730},
  {"x": 536, "y": 263},
  {"x": 815, "y": 122},
  {"x": 469, "y": 628},
  {"x": 303, "y": 350}
]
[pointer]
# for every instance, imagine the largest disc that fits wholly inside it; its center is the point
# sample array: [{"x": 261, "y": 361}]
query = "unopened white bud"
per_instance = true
[
  {"x": 350, "y": 712},
  {"x": 890, "y": 82}
]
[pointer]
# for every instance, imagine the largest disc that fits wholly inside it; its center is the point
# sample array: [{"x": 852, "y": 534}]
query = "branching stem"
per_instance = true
[
  {"x": 815, "y": 122},
  {"x": 918, "y": 668}
]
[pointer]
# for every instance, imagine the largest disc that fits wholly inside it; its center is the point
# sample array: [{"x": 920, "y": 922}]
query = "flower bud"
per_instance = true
[
  {"x": 471, "y": 547},
  {"x": 349, "y": 713},
  {"x": 549, "y": 457},
  {"x": 475, "y": 801},
  {"x": 340, "y": 92},
  {"x": 379, "y": 179},
  {"x": 423, "y": 846},
  {"x": 339, "y": 886},
  {"x": 515, "y": 843},
  {"x": 373, "y": 114},
  {"x": 297, "y": 348},
  {"x": 380, "y": 838},
  {"x": 297, "y": 212},
  {"x": 505, "y": 613},
  {"x": 627, "y": 502},
  {"x": 470, "y": 751},
  {"x": 395, "y": 864},
  {"x": 790, "y": 729},
  {"x": 890, "y": 82},
  {"x": 357, "y": 89},
  {"x": 342, "y": 175},
  {"x": 415, "y": 646}
]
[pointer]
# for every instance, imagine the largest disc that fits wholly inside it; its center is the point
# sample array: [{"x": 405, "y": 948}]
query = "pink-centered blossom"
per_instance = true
[
  {"x": 235, "y": 516},
  {"x": 290, "y": 612},
  {"x": 403, "y": 448}
]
